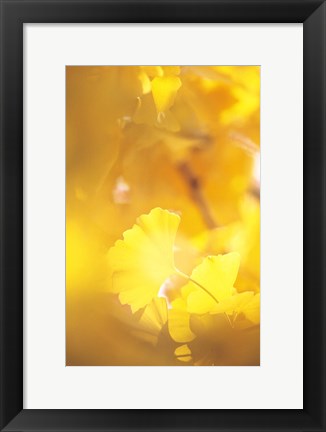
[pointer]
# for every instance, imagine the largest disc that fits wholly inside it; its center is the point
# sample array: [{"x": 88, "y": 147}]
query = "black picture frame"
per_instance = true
[{"x": 13, "y": 15}]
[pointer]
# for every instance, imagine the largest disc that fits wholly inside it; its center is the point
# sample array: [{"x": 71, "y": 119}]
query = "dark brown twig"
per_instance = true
[{"x": 196, "y": 194}]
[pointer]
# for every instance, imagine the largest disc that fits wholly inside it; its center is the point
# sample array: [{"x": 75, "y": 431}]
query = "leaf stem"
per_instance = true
[{"x": 204, "y": 289}]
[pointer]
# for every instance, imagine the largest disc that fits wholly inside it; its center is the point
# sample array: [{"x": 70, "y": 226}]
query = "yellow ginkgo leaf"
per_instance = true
[
  {"x": 145, "y": 81},
  {"x": 171, "y": 70},
  {"x": 146, "y": 113},
  {"x": 179, "y": 325},
  {"x": 143, "y": 260},
  {"x": 246, "y": 303},
  {"x": 155, "y": 315},
  {"x": 152, "y": 320},
  {"x": 153, "y": 71},
  {"x": 183, "y": 353},
  {"x": 251, "y": 310},
  {"x": 232, "y": 304},
  {"x": 164, "y": 90},
  {"x": 214, "y": 279}
]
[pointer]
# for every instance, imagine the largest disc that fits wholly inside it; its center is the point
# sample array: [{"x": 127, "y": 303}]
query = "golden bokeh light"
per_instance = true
[{"x": 162, "y": 215}]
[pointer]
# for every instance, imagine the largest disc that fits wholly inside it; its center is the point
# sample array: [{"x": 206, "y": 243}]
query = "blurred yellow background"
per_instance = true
[{"x": 184, "y": 139}]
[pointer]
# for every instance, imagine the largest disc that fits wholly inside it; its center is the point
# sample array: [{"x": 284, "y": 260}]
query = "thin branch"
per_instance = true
[
  {"x": 254, "y": 190},
  {"x": 196, "y": 194}
]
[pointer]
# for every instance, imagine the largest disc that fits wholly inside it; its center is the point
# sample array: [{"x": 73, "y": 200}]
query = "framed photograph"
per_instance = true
[{"x": 162, "y": 215}]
